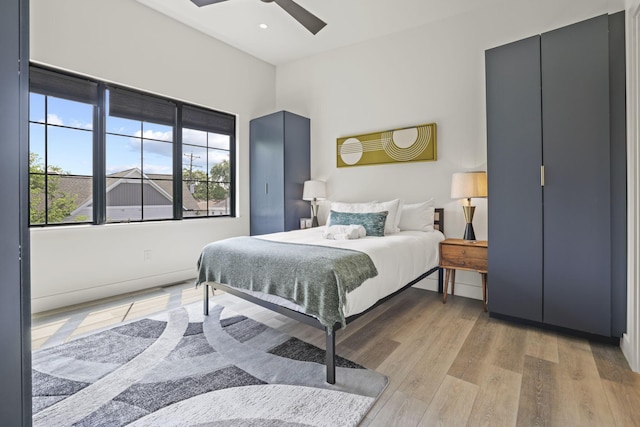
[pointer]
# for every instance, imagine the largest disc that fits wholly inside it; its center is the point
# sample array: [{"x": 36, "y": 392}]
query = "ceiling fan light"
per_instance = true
[
  {"x": 263, "y": 26},
  {"x": 297, "y": 12}
]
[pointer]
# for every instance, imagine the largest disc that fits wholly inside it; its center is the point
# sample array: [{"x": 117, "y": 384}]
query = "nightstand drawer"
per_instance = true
[
  {"x": 457, "y": 251},
  {"x": 464, "y": 262},
  {"x": 462, "y": 254}
]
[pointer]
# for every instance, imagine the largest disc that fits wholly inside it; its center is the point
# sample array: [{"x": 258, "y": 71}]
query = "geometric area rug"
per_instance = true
[{"x": 181, "y": 368}]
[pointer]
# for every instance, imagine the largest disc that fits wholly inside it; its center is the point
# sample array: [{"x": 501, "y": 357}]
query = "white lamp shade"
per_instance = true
[
  {"x": 314, "y": 190},
  {"x": 465, "y": 185}
]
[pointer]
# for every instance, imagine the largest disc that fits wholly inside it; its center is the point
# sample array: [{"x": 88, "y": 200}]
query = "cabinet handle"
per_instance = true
[
  {"x": 542, "y": 176},
  {"x": 266, "y": 188}
]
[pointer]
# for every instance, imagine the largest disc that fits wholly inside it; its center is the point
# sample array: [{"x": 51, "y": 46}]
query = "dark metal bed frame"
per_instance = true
[{"x": 312, "y": 321}]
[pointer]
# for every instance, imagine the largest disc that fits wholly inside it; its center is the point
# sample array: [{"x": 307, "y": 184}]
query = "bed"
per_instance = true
[{"x": 400, "y": 260}]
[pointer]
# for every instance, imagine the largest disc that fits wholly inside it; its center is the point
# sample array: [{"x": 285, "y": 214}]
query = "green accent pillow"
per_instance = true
[{"x": 373, "y": 222}]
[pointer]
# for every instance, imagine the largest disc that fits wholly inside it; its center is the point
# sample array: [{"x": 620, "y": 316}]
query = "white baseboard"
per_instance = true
[
  {"x": 462, "y": 289},
  {"x": 73, "y": 297},
  {"x": 630, "y": 353}
]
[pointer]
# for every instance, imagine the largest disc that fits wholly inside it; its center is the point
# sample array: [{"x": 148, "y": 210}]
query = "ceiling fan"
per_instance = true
[{"x": 299, "y": 13}]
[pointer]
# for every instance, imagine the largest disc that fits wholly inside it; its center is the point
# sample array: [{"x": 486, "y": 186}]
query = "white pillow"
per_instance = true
[
  {"x": 349, "y": 207},
  {"x": 392, "y": 206},
  {"x": 352, "y": 207},
  {"x": 417, "y": 216}
]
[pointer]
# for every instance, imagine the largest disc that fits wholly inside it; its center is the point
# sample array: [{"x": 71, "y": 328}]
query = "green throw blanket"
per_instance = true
[{"x": 317, "y": 278}]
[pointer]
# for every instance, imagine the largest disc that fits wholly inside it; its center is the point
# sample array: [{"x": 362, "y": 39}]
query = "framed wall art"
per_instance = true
[{"x": 410, "y": 144}]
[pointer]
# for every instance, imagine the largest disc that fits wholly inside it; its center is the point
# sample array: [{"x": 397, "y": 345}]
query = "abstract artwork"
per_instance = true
[{"x": 411, "y": 144}]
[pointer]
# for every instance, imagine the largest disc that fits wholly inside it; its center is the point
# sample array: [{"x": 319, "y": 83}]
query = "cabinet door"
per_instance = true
[
  {"x": 296, "y": 169},
  {"x": 15, "y": 315},
  {"x": 267, "y": 169},
  {"x": 575, "y": 110},
  {"x": 618, "y": 145},
  {"x": 514, "y": 156}
]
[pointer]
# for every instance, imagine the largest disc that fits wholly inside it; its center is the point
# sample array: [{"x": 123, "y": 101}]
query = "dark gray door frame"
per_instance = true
[{"x": 15, "y": 304}]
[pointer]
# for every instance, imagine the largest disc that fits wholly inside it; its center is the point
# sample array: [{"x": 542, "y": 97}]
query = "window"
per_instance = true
[
  {"x": 101, "y": 153},
  {"x": 139, "y": 157},
  {"x": 206, "y": 172},
  {"x": 61, "y": 149}
]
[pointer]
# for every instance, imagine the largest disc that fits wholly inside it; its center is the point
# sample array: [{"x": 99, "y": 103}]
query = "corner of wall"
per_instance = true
[{"x": 630, "y": 343}]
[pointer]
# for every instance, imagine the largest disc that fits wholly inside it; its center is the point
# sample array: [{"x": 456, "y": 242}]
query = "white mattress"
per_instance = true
[{"x": 399, "y": 259}]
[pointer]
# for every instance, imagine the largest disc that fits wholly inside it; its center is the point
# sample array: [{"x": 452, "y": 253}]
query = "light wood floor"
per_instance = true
[
  {"x": 59, "y": 326},
  {"x": 448, "y": 365}
]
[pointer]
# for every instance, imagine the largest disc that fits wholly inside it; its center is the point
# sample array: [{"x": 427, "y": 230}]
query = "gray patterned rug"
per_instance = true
[{"x": 180, "y": 368}]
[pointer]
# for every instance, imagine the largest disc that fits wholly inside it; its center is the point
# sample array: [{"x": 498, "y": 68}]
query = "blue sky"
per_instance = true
[{"x": 71, "y": 149}]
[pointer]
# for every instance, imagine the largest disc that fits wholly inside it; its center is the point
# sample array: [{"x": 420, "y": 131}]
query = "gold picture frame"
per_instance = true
[{"x": 409, "y": 144}]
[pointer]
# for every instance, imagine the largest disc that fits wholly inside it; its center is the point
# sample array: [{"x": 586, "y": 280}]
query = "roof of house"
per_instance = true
[{"x": 82, "y": 187}]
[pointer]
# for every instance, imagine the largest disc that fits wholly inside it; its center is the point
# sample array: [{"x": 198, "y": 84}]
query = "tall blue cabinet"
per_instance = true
[
  {"x": 557, "y": 178},
  {"x": 279, "y": 166}
]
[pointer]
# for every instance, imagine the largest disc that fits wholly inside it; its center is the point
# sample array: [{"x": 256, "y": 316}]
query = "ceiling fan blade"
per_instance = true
[
  {"x": 201, "y": 3},
  {"x": 302, "y": 15}
]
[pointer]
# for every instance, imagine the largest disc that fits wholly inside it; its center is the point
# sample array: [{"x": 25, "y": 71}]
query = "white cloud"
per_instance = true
[
  {"x": 194, "y": 137},
  {"x": 151, "y": 134},
  {"x": 218, "y": 141},
  {"x": 164, "y": 149},
  {"x": 155, "y": 147},
  {"x": 80, "y": 125},
  {"x": 160, "y": 148},
  {"x": 217, "y": 157},
  {"x": 53, "y": 119},
  {"x": 160, "y": 169},
  {"x": 151, "y": 146}
]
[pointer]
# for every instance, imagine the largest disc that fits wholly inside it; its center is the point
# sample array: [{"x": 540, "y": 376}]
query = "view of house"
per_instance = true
[{"x": 125, "y": 190}]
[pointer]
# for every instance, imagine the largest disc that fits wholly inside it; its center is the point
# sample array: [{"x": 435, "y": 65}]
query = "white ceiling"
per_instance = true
[{"x": 236, "y": 22}]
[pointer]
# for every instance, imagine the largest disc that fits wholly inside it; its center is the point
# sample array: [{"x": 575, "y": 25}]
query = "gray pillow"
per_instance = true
[{"x": 373, "y": 222}]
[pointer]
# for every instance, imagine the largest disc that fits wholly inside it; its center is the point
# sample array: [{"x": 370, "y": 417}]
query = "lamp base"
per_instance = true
[
  {"x": 468, "y": 232},
  {"x": 314, "y": 221}
]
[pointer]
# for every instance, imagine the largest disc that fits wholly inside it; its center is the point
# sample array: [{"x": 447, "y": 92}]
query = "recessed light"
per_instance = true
[{"x": 263, "y": 26}]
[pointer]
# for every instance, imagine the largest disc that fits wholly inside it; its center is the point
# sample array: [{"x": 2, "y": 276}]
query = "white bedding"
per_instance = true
[{"x": 399, "y": 258}]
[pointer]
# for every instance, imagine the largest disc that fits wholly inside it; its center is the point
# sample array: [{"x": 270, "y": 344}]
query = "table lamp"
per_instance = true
[
  {"x": 314, "y": 191},
  {"x": 465, "y": 185}
]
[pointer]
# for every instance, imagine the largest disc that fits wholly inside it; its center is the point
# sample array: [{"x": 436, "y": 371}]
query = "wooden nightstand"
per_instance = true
[{"x": 458, "y": 254}]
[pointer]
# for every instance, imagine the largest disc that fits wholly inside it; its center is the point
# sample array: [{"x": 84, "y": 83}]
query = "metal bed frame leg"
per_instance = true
[
  {"x": 206, "y": 299},
  {"x": 331, "y": 355}
]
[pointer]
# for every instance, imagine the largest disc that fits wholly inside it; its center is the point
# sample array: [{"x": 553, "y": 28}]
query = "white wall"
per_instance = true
[
  {"x": 434, "y": 73},
  {"x": 127, "y": 43}
]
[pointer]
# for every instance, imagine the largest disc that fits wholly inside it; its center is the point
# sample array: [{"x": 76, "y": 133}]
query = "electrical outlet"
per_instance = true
[{"x": 147, "y": 255}]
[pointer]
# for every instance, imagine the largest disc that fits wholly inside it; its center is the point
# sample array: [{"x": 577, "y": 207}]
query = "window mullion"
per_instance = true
[
  {"x": 232, "y": 175},
  {"x": 207, "y": 175},
  {"x": 99, "y": 159},
  {"x": 142, "y": 171},
  {"x": 177, "y": 164},
  {"x": 46, "y": 160}
]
